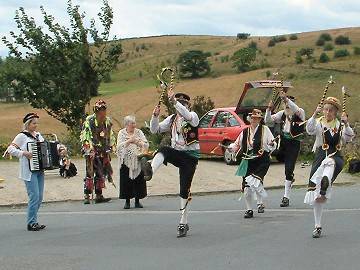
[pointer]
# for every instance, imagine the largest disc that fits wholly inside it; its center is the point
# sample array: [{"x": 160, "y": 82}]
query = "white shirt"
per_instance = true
[
  {"x": 21, "y": 140},
  {"x": 183, "y": 116},
  {"x": 267, "y": 140},
  {"x": 277, "y": 117},
  {"x": 315, "y": 127}
]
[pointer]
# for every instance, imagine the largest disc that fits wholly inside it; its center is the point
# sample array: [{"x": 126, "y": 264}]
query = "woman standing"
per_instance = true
[
  {"x": 34, "y": 181},
  {"x": 329, "y": 134},
  {"x": 130, "y": 143}
]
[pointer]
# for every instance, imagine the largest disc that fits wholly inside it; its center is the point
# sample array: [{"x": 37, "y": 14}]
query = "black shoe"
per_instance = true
[
  {"x": 127, "y": 205},
  {"x": 249, "y": 214},
  {"x": 324, "y": 185},
  {"x": 317, "y": 232},
  {"x": 33, "y": 227},
  {"x": 284, "y": 202},
  {"x": 182, "y": 230},
  {"x": 261, "y": 208},
  {"x": 102, "y": 199},
  {"x": 138, "y": 205},
  {"x": 41, "y": 226},
  {"x": 87, "y": 201},
  {"x": 146, "y": 169}
]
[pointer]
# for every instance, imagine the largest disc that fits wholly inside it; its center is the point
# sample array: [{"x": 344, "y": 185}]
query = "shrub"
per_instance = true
[
  {"x": 328, "y": 47},
  {"x": 253, "y": 45},
  {"x": 325, "y": 36},
  {"x": 271, "y": 43},
  {"x": 298, "y": 59},
  {"x": 320, "y": 42},
  {"x": 268, "y": 73},
  {"x": 357, "y": 50},
  {"x": 293, "y": 37},
  {"x": 324, "y": 58},
  {"x": 306, "y": 51},
  {"x": 279, "y": 39},
  {"x": 291, "y": 76},
  {"x": 342, "y": 40},
  {"x": 341, "y": 53}
]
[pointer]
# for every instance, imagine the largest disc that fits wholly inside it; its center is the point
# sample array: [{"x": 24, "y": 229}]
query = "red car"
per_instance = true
[{"x": 223, "y": 125}]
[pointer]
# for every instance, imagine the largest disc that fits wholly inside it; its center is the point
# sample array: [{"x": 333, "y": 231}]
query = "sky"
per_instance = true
[{"x": 138, "y": 18}]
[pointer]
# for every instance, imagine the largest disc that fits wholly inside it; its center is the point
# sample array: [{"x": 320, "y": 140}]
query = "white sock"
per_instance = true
[
  {"x": 318, "y": 209},
  {"x": 184, "y": 212},
  {"x": 287, "y": 189},
  {"x": 157, "y": 161},
  {"x": 248, "y": 198},
  {"x": 259, "y": 198}
]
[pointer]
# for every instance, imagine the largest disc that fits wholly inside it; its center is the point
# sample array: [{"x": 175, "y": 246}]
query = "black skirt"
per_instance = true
[{"x": 131, "y": 188}]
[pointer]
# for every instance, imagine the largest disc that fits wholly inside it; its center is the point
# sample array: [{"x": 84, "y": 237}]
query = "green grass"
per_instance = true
[{"x": 123, "y": 86}]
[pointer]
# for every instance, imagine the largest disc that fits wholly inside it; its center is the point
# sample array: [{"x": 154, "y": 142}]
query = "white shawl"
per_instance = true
[{"x": 127, "y": 154}]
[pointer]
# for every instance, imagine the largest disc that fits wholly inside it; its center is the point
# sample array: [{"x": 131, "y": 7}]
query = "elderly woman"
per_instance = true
[
  {"x": 34, "y": 181},
  {"x": 130, "y": 143}
]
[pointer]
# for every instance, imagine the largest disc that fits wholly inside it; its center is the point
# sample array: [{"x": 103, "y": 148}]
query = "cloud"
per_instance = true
[{"x": 213, "y": 17}]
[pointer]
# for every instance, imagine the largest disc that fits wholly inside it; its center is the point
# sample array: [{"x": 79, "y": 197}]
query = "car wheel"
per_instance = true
[{"x": 229, "y": 157}]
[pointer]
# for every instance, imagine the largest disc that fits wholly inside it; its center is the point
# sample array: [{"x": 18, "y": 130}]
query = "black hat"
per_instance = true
[
  {"x": 182, "y": 97},
  {"x": 30, "y": 116}
]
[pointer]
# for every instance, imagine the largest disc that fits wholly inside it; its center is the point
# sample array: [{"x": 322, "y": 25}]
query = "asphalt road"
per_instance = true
[{"x": 108, "y": 237}]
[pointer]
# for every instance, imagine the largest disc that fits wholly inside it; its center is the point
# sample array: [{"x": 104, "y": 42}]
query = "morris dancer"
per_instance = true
[
  {"x": 290, "y": 118},
  {"x": 255, "y": 143},
  {"x": 183, "y": 153},
  {"x": 98, "y": 140},
  {"x": 330, "y": 134}
]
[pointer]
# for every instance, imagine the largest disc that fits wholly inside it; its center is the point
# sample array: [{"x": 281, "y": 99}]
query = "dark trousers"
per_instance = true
[
  {"x": 97, "y": 169},
  {"x": 131, "y": 188},
  {"x": 186, "y": 164},
  {"x": 291, "y": 149},
  {"x": 258, "y": 168}
]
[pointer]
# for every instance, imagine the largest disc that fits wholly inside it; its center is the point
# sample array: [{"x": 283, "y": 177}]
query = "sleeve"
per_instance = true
[
  {"x": 143, "y": 139},
  {"x": 112, "y": 138},
  {"x": 348, "y": 134},
  {"x": 14, "y": 148},
  {"x": 275, "y": 118},
  {"x": 190, "y": 117},
  {"x": 269, "y": 137},
  {"x": 296, "y": 109},
  {"x": 163, "y": 126},
  {"x": 312, "y": 126},
  {"x": 235, "y": 146},
  {"x": 86, "y": 134}
]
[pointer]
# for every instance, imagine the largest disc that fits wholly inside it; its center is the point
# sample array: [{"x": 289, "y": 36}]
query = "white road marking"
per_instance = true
[{"x": 166, "y": 212}]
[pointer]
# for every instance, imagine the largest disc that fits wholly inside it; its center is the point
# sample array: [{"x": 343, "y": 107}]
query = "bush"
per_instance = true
[
  {"x": 357, "y": 50},
  {"x": 271, "y": 43},
  {"x": 342, "y": 40},
  {"x": 306, "y": 51},
  {"x": 293, "y": 37},
  {"x": 291, "y": 76},
  {"x": 325, "y": 36},
  {"x": 341, "y": 53},
  {"x": 324, "y": 58},
  {"x": 279, "y": 39},
  {"x": 320, "y": 42},
  {"x": 253, "y": 45},
  {"x": 328, "y": 47},
  {"x": 268, "y": 73},
  {"x": 140, "y": 74},
  {"x": 298, "y": 59}
]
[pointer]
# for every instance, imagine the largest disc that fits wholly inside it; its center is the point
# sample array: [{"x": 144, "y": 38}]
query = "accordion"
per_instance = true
[{"x": 45, "y": 156}]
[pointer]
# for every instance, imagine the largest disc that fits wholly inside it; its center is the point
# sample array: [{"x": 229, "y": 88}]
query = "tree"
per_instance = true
[
  {"x": 271, "y": 43},
  {"x": 320, "y": 42},
  {"x": 306, "y": 51},
  {"x": 202, "y": 105},
  {"x": 328, "y": 47},
  {"x": 243, "y": 58},
  {"x": 293, "y": 37},
  {"x": 65, "y": 69},
  {"x": 341, "y": 53},
  {"x": 193, "y": 64},
  {"x": 242, "y": 36}
]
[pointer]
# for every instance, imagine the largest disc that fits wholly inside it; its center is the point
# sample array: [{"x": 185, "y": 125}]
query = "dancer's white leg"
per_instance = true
[
  {"x": 287, "y": 189},
  {"x": 318, "y": 209},
  {"x": 248, "y": 194},
  {"x": 184, "y": 212},
  {"x": 157, "y": 161}
]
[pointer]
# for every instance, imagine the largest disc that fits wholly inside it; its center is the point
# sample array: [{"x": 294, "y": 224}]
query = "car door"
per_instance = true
[
  {"x": 217, "y": 132},
  {"x": 204, "y": 128}
]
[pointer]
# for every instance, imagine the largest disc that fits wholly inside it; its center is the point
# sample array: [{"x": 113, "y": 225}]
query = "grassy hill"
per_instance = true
[{"x": 132, "y": 88}]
